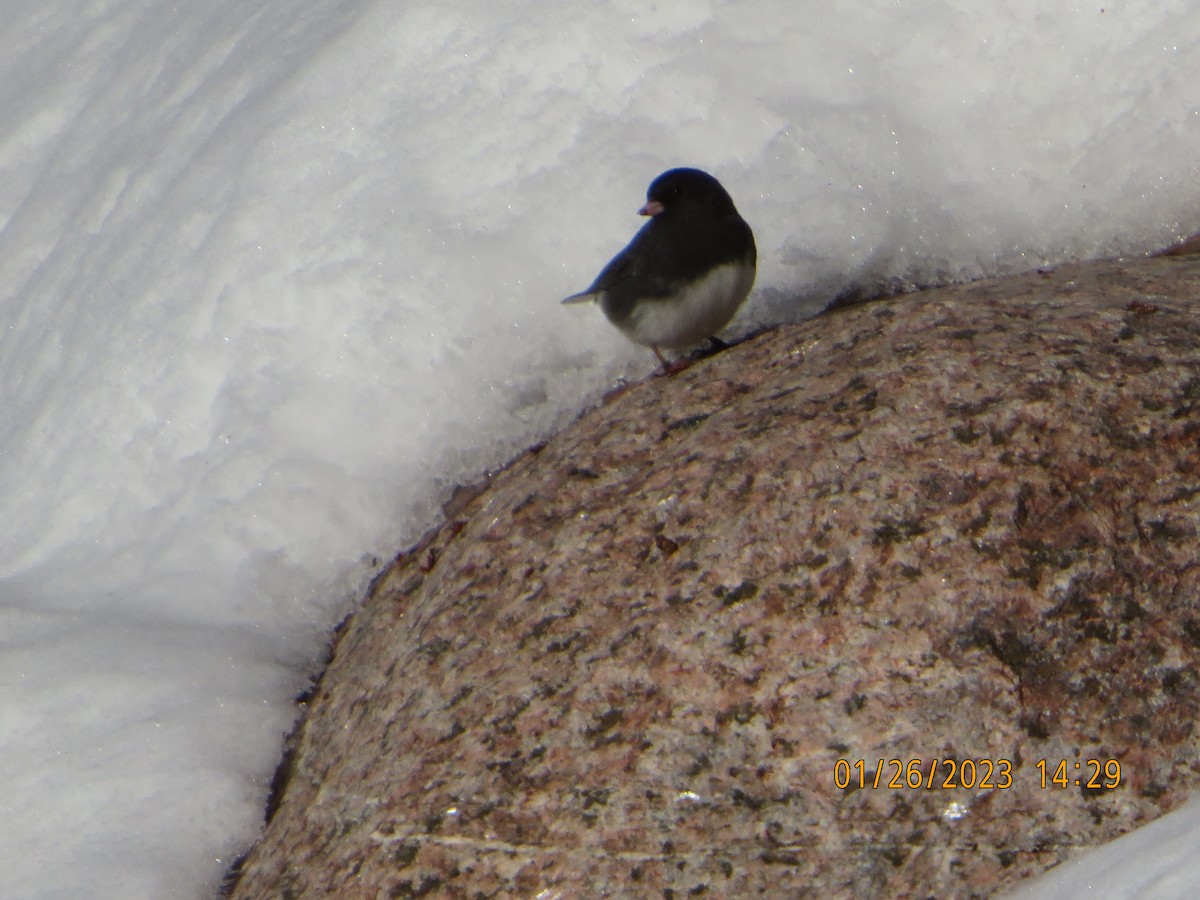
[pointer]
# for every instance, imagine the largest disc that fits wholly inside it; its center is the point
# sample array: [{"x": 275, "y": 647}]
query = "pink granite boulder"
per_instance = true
[{"x": 684, "y": 648}]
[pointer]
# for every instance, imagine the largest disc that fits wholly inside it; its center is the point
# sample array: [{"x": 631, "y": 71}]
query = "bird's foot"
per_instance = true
[
  {"x": 715, "y": 345},
  {"x": 672, "y": 368}
]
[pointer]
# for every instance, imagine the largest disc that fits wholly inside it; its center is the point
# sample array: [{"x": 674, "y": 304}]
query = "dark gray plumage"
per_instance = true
[{"x": 685, "y": 273}]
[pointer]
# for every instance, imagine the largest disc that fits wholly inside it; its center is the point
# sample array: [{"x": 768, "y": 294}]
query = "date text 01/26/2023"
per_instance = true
[{"x": 977, "y": 774}]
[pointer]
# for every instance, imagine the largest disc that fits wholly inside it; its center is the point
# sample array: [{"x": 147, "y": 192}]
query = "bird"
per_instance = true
[{"x": 686, "y": 272}]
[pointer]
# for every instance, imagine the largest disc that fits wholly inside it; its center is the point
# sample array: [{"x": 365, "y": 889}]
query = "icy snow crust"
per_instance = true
[{"x": 274, "y": 277}]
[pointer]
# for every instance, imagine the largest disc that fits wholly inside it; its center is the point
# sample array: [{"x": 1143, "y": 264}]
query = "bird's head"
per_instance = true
[{"x": 677, "y": 188}]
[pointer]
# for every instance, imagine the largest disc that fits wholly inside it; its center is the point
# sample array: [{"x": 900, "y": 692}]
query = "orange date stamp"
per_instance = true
[
  {"x": 972, "y": 774},
  {"x": 929, "y": 774},
  {"x": 1089, "y": 774}
]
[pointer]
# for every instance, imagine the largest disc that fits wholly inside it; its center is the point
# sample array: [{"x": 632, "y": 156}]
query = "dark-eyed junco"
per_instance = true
[{"x": 685, "y": 273}]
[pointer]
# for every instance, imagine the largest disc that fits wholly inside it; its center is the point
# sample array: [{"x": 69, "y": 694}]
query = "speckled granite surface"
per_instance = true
[{"x": 955, "y": 525}]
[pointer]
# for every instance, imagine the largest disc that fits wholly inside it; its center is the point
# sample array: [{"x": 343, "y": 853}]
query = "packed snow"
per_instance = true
[
  {"x": 273, "y": 278},
  {"x": 1153, "y": 862}
]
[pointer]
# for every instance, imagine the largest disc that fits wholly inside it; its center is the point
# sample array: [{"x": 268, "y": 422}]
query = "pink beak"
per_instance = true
[{"x": 652, "y": 208}]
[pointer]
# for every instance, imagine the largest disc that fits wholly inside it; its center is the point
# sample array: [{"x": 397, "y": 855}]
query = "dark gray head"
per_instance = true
[{"x": 682, "y": 189}]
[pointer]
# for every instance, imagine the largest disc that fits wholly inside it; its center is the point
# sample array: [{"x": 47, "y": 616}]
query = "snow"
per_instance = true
[
  {"x": 274, "y": 279},
  {"x": 1153, "y": 862}
]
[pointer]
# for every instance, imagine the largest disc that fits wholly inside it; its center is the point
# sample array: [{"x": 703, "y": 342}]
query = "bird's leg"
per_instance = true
[
  {"x": 670, "y": 368},
  {"x": 662, "y": 359}
]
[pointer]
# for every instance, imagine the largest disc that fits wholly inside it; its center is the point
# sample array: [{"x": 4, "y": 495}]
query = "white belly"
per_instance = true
[{"x": 699, "y": 312}]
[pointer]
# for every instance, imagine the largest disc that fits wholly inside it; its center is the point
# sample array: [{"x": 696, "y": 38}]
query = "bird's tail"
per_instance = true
[{"x": 583, "y": 297}]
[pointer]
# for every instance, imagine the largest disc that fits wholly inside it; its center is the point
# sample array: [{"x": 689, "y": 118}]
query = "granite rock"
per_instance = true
[{"x": 667, "y": 652}]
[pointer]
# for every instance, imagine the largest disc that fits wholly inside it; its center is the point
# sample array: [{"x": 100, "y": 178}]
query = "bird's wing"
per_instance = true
[{"x": 619, "y": 268}]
